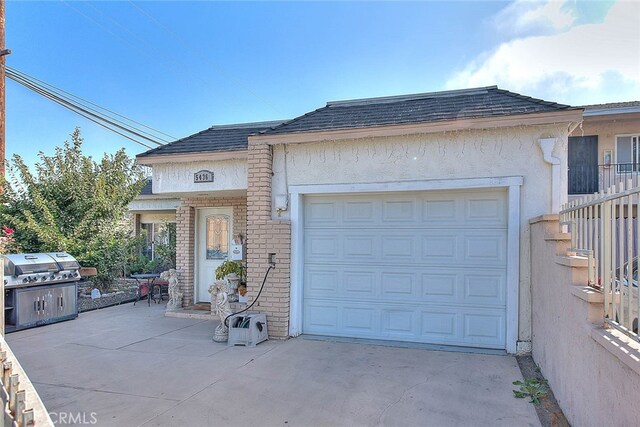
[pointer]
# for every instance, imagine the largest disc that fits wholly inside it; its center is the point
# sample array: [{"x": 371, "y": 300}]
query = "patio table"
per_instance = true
[{"x": 140, "y": 279}]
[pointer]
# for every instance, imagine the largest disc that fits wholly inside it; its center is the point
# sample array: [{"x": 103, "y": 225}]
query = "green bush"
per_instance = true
[{"x": 72, "y": 203}]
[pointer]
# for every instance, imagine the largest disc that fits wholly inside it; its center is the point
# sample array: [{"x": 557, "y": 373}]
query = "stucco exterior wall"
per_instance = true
[
  {"x": 607, "y": 127},
  {"x": 450, "y": 155},
  {"x": 591, "y": 383},
  {"x": 185, "y": 235},
  {"x": 178, "y": 177}
]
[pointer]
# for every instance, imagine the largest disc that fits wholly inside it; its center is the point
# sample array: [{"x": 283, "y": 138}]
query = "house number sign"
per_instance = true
[{"x": 203, "y": 176}]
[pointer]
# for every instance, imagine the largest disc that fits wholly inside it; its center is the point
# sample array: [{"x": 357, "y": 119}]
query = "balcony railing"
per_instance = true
[
  {"x": 596, "y": 178},
  {"x": 605, "y": 229}
]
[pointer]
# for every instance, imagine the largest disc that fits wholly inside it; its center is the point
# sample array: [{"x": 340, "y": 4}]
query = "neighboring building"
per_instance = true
[
  {"x": 400, "y": 218},
  {"x": 605, "y": 149}
]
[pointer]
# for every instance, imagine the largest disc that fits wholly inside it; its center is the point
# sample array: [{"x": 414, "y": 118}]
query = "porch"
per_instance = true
[{"x": 167, "y": 371}]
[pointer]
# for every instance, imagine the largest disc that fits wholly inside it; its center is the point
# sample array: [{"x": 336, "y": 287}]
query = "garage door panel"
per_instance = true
[
  {"x": 484, "y": 328},
  {"x": 485, "y": 211},
  {"x": 394, "y": 211},
  {"x": 439, "y": 286},
  {"x": 485, "y": 249},
  {"x": 321, "y": 317},
  {"x": 323, "y": 212},
  {"x": 360, "y": 319},
  {"x": 422, "y": 266},
  {"x": 438, "y": 325},
  {"x": 485, "y": 288},
  {"x": 398, "y": 246},
  {"x": 322, "y": 282},
  {"x": 322, "y": 246},
  {"x": 399, "y": 323},
  {"x": 398, "y": 286},
  {"x": 363, "y": 212},
  {"x": 360, "y": 246},
  {"x": 359, "y": 284}
]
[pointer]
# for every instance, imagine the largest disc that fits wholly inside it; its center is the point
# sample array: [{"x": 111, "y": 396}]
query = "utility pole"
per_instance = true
[{"x": 3, "y": 52}]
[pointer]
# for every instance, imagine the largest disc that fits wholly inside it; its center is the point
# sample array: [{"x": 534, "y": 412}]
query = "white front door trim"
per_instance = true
[
  {"x": 198, "y": 280},
  {"x": 513, "y": 184}
]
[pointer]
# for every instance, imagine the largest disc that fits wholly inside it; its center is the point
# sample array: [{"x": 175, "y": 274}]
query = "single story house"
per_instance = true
[
  {"x": 401, "y": 218},
  {"x": 605, "y": 149}
]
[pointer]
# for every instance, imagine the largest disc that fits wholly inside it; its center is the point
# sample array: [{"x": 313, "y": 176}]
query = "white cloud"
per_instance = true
[
  {"x": 537, "y": 17},
  {"x": 587, "y": 63}
]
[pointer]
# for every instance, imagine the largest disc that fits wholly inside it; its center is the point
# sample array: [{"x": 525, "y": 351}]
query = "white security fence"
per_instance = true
[
  {"x": 21, "y": 405},
  {"x": 604, "y": 229}
]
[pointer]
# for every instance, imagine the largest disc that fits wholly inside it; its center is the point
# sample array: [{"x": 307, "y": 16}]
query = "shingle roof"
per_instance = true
[
  {"x": 419, "y": 108},
  {"x": 216, "y": 138},
  {"x": 611, "y": 105}
]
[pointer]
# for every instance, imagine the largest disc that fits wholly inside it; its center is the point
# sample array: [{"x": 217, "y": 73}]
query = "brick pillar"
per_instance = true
[
  {"x": 185, "y": 242},
  {"x": 265, "y": 236}
]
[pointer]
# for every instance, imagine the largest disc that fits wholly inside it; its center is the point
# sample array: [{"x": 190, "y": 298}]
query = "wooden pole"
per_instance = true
[{"x": 3, "y": 53}]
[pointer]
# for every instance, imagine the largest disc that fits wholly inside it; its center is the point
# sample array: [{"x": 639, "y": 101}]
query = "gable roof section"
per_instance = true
[
  {"x": 215, "y": 139},
  {"x": 419, "y": 108}
]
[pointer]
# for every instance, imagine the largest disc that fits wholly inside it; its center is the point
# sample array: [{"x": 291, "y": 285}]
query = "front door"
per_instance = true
[
  {"x": 583, "y": 164},
  {"x": 214, "y": 233}
]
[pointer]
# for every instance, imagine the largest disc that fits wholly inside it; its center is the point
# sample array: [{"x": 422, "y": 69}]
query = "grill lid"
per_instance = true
[
  {"x": 66, "y": 261},
  {"x": 54, "y": 262},
  {"x": 18, "y": 264}
]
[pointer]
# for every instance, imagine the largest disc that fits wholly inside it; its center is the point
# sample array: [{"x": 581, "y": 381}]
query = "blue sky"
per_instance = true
[{"x": 181, "y": 67}]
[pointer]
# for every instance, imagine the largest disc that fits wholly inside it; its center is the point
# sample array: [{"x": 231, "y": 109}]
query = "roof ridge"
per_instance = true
[
  {"x": 411, "y": 97},
  {"x": 247, "y": 125},
  {"x": 532, "y": 99},
  {"x": 288, "y": 122}
]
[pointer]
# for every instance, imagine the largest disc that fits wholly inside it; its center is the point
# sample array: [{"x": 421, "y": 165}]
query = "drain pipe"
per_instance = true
[{"x": 547, "y": 145}]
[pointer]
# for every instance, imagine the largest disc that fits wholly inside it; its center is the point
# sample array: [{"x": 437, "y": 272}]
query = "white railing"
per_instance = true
[
  {"x": 21, "y": 405},
  {"x": 605, "y": 229}
]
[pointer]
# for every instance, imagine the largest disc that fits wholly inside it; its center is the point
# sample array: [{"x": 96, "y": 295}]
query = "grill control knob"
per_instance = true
[
  {"x": 64, "y": 276},
  {"x": 25, "y": 280},
  {"x": 43, "y": 278}
]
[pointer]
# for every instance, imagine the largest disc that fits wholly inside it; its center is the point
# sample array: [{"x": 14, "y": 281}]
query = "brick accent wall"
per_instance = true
[
  {"x": 266, "y": 236},
  {"x": 185, "y": 235}
]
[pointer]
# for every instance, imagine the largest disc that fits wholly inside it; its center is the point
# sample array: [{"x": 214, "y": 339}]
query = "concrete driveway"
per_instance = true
[{"x": 131, "y": 366}]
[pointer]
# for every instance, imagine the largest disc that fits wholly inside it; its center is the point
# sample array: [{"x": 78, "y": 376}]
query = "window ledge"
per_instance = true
[{"x": 619, "y": 345}]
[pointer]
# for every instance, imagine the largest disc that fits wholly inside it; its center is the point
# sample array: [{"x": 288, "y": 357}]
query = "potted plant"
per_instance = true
[{"x": 233, "y": 271}]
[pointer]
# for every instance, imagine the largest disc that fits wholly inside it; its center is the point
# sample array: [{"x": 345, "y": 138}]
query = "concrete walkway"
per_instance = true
[{"x": 131, "y": 366}]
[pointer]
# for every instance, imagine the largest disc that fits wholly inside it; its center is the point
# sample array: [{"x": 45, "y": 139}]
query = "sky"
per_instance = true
[{"x": 181, "y": 67}]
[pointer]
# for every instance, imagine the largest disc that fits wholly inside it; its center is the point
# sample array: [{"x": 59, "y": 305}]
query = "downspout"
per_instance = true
[{"x": 547, "y": 145}]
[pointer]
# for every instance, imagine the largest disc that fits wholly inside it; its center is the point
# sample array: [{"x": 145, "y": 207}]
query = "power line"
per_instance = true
[
  {"x": 63, "y": 92},
  {"x": 71, "y": 103},
  {"x": 71, "y": 107}
]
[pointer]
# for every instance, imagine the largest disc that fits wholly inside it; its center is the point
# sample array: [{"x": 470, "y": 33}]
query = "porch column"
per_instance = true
[{"x": 185, "y": 242}]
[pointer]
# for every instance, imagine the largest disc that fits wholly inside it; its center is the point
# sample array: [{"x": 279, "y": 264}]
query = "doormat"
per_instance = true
[{"x": 200, "y": 306}]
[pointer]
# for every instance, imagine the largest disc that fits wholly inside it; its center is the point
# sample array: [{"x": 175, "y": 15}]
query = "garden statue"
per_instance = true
[
  {"x": 175, "y": 296},
  {"x": 220, "y": 303}
]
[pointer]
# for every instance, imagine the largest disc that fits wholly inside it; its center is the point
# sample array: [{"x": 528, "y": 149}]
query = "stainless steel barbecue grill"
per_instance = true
[{"x": 40, "y": 289}]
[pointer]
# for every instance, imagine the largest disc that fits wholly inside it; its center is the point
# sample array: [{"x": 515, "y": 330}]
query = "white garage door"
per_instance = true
[{"x": 422, "y": 267}]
